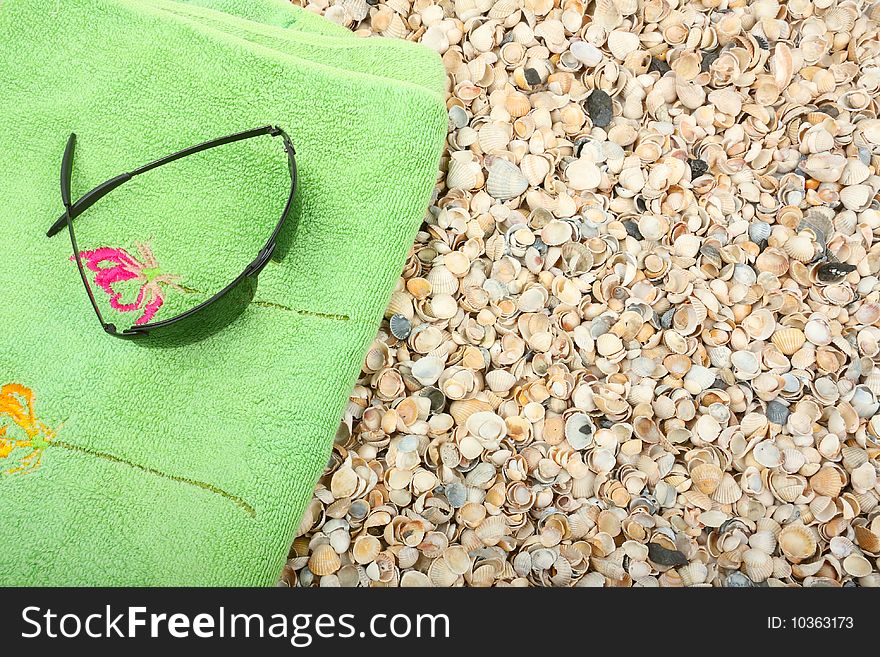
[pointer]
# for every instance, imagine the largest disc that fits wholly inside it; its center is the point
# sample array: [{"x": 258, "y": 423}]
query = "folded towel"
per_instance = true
[
  {"x": 287, "y": 29},
  {"x": 280, "y": 13},
  {"x": 187, "y": 465}
]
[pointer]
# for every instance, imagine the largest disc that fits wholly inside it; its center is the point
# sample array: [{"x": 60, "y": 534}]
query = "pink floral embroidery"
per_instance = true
[{"x": 132, "y": 285}]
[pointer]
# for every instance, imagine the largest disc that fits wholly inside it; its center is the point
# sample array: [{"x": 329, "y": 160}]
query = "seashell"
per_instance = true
[
  {"x": 324, "y": 560},
  {"x": 586, "y": 53},
  {"x": 867, "y": 540},
  {"x": 486, "y": 426},
  {"x": 621, "y": 43},
  {"x": 517, "y": 104},
  {"x": 797, "y": 542},
  {"x": 400, "y": 326},
  {"x": 462, "y": 410},
  {"x": 757, "y": 564},
  {"x": 366, "y": 548},
  {"x": 463, "y": 172},
  {"x": 760, "y": 324},
  {"x": 579, "y": 430},
  {"x": 824, "y": 167},
  {"x": 500, "y": 380},
  {"x": 493, "y": 137},
  {"x": 505, "y": 180},
  {"x": 765, "y": 541},
  {"x": 788, "y": 340},
  {"x": 759, "y": 231},
  {"x": 535, "y": 168},
  {"x": 800, "y": 247},
  {"x": 706, "y": 477},
  {"x": 556, "y": 233},
  {"x": 856, "y": 197},
  {"x": 427, "y": 370},
  {"x": 440, "y": 574},
  {"x": 777, "y": 412},
  {"x": 728, "y": 490},
  {"x": 786, "y": 488},
  {"x": 773, "y": 261},
  {"x": 767, "y": 454},
  {"x": 855, "y": 172},
  {"x": 827, "y": 482},
  {"x": 857, "y": 566},
  {"x": 583, "y": 174},
  {"x": 442, "y": 281}
]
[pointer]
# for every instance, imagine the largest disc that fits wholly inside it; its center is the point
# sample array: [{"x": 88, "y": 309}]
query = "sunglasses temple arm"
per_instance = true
[
  {"x": 93, "y": 196},
  {"x": 66, "y": 168},
  {"x": 88, "y": 200}
]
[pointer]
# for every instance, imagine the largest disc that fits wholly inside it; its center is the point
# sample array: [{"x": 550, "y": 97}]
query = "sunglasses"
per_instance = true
[{"x": 208, "y": 316}]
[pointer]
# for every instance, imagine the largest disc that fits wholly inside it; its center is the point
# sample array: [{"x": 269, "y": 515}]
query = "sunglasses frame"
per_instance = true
[{"x": 73, "y": 210}]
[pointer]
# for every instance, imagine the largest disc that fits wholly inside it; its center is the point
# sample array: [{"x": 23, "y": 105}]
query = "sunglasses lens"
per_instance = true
[{"x": 203, "y": 321}]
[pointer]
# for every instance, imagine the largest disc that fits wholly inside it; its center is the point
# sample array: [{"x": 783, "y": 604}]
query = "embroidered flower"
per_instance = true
[
  {"x": 20, "y": 429},
  {"x": 132, "y": 284}
]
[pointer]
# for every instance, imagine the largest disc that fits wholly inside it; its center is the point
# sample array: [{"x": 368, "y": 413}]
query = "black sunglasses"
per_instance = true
[{"x": 210, "y": 315}]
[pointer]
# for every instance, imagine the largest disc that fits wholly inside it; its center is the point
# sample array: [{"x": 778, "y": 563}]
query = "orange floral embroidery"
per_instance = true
[{"x": 20, "y": 430}]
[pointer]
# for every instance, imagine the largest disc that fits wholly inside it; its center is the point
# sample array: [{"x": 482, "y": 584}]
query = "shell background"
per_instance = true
[{"x": 619, "y": 364}]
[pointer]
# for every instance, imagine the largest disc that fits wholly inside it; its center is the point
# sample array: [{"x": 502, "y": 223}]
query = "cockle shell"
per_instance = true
[
  {"x": 324, "y": 560},
  {"x": 505, "y": 180},
  {"x": 757, "y": 564},
  {"x": 788, "y": 340},
  {"x": 797, "y": 542}
]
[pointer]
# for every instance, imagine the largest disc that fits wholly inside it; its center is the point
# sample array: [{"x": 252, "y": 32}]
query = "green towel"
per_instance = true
[
  {"x": 285, "y": 28},
  {"x": 122, "y": 464}
]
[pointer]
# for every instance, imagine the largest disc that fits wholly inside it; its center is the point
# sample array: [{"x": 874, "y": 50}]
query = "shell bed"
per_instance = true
[{"x": 637, "y": 339}]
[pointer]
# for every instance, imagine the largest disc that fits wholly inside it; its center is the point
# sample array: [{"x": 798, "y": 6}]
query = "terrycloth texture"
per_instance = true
[
  {"x": 124, "y": 464},
  {"x": 286, "y": 28}
]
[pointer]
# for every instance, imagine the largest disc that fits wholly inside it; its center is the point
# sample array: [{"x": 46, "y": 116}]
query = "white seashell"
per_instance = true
[
  {"x": 622, "y": 43},
  {"x": 505, "y": 180},
  {"x": 579, "y": 430},
  {"x": 493, "y": 137},
  {"x": 856, "y": 197},
  {"x": 442, "y": 280},
  {"x": 586, "y": 53},
  {"x": 535, "y": 168},
  {"x": 556, "y": 232},
  {"x": 583, "y": 174},
  {"x": 855, "y": 172},
  {"x": 463, "y": 172},
  {"x": 824, "y": 167},
  {"x": 427, "y": 370},
  {"x": 500, "y": 380}
]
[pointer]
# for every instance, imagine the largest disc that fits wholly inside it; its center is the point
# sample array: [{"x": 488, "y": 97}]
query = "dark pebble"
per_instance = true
[
  {"x": 698, "y": 167},
  {"x": 658, "y": 65},
  {"x": 762, "y": 42},
  {"x": 632, "y": 229},
  {"x": 660, "y": 555},
  {"x": 832, "y": 272},
  {"x": 709, "y": 56},
  {"x": 599, "y": 108},
  {"x": 532, "y": 76}
]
